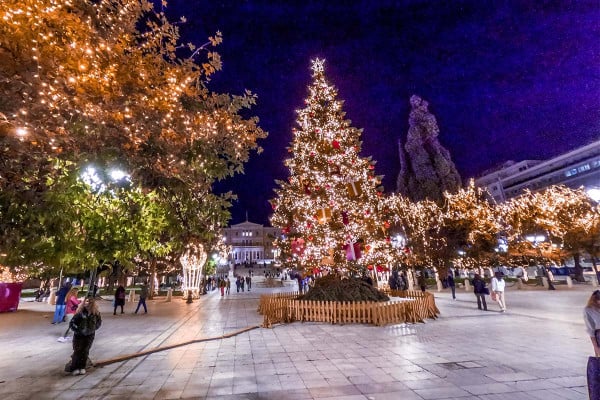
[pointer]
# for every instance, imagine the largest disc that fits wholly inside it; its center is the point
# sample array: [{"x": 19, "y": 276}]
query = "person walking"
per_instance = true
[
  {"x": 498, "y": 286},
  {"x": 71, "y": 306},
  {"x": 550, "y": 277},
  {"x": 451, "y": 284},
  {"x": 84, "y": 324},
  {"x": 422, "y": 281},
  {"x": 142, "y": 300},
  {"x": 242, "y": 283},
  {"x": 227, "y": 286},
  {"x": 480, "y": 291},
  {"x": 222, "y": 286},
  {"x": 249, "y": 282},
  {"x": 591, "y": 318},
  {"x": 237, "y": 283},
  {"x": 119, "y": 299},
  {"x": 61, "y": 300}
]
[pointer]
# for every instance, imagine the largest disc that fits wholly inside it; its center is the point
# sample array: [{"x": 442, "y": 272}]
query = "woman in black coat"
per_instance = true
[
  {"x": 119, "y": 299},
  {"x": 84, "y": 324}
]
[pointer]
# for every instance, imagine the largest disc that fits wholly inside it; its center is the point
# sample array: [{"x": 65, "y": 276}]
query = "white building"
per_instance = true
[
  {"x": 251, "y": 243},
  {"x": 577, "y": 168}
]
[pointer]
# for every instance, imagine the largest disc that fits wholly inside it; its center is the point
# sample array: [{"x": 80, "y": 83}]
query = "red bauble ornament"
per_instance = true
[{"x": 335, "y": 144}]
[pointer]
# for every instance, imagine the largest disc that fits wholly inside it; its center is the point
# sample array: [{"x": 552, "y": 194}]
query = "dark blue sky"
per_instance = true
[{"x": 505, "y": 79}]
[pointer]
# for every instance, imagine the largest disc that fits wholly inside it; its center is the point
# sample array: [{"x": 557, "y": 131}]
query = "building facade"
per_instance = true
[
  {"x": 251, "y": 243},
  {"x": 575, "y": 169}
]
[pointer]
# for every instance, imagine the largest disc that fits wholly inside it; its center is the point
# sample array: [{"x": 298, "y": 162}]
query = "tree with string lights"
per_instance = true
[
  {"x": 470, "y": 227},
  {"x": 553, "y": 224},
  {"x": 108, "y": 83},
  {"x": 329, "y": 210}
]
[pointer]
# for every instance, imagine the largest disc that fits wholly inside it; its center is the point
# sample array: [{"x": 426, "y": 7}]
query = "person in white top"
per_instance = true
[
  {"x": 498, "y": 286},
  {"x": 591, "y": 316}
]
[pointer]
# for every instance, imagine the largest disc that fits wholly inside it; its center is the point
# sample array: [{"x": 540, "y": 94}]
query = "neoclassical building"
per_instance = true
[{"x": 251, "y": 243}]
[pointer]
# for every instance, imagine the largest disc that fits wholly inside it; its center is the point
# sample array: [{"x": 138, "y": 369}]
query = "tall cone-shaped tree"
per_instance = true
[{"x": 329, "y": 210}]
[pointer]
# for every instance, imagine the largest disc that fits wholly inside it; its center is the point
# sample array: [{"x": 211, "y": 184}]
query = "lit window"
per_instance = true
[
  {"x": 571, "y": 172},
  {"x": 584, "y": 168}
]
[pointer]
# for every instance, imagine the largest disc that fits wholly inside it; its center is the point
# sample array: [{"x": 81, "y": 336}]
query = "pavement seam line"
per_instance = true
[{"x": 126, "y": 357}]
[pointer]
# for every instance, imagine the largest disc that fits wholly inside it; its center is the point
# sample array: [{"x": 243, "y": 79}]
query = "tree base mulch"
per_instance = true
[{"x": 335, "y": 288}]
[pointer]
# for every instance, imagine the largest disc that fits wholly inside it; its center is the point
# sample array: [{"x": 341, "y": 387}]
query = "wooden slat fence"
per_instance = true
[{"x": 284, "y": 307}]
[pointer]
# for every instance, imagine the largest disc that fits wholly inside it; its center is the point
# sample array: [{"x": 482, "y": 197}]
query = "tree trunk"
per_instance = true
[
  {"x": 152, "y": 278},
  {"x": 578, "y": 268},
  {"x": 595, "y": 265}
]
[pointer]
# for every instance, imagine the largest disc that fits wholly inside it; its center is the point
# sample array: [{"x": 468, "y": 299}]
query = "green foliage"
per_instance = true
[{"x": 109, "y": 84}]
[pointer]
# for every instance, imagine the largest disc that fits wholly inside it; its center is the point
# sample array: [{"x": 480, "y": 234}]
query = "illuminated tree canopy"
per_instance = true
[{"x": 108, "y": 84}]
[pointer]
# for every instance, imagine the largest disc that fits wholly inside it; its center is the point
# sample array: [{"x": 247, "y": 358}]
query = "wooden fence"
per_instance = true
[{"x": 284, "y": 307}]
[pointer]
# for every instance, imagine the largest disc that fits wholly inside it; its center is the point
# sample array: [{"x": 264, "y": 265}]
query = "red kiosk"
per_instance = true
[{"x": 10, "y": 294}]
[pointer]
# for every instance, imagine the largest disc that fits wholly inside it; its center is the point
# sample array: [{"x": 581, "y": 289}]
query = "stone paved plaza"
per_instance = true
[{"x": 536, "y": 351}]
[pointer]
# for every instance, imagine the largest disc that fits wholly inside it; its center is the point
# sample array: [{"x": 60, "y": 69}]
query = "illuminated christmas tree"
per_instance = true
[{"x": 329, "y": 210}]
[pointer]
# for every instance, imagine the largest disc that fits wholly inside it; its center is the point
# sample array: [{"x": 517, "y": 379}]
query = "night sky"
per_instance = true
[{"x": 506, "y": 80}]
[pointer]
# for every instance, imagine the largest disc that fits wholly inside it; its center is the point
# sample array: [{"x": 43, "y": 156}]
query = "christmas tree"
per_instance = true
[{"x": 329, "y": 210}]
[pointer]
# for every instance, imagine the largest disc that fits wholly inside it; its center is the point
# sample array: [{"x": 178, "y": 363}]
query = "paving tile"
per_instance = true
[{"x": 451, "y": 357}]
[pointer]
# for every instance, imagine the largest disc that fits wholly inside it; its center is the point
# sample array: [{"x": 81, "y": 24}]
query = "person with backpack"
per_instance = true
[
  {"x": 480, "y": 291},
  {"x": 84, "y": 324},
  {"x": 119, "y": 299}
]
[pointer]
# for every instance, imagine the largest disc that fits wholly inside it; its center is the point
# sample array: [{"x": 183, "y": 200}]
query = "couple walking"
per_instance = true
[{"x": 497, "y": 292}]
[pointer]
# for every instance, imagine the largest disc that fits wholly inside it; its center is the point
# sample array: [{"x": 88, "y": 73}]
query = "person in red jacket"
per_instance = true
[{"x": 70, "y": 309}]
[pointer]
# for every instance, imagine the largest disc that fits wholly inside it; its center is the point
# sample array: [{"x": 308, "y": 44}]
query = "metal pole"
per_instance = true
[{"x": 60, "y": 278}]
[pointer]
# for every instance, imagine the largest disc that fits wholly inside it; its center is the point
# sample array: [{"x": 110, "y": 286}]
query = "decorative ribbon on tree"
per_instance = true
[{"x": 352, "y": 250}]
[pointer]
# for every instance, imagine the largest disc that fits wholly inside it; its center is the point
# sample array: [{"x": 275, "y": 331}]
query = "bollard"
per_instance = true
[
  {"x": 569, "y": 282},
  {"x": 131, "y": 295},
  {"x": 169, "y": 294},
  {"x": 520, "y": 284},
  {"x": 467, "y": 285},
  {"x": 440, "y": 287},
  {"x": 52, "y": 297},
  {"x": 545, "y": 282}
]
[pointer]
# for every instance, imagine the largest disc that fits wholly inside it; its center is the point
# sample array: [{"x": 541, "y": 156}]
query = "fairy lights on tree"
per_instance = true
[
  {"x": 567, "y": 222},
  {"x": 192, "y": 261},
  {"x": 108, "y": 82},
  {"x": 329, "y": 209}
]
